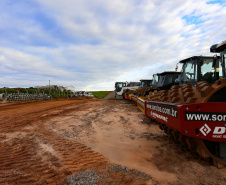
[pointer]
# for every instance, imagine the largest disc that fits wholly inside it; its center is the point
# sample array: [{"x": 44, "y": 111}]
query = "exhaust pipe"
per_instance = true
[{"x": 3, "y": 97}]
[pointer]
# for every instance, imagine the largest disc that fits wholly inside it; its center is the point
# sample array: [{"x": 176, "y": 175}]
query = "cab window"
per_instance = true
[{"x": 208, "y": 71}]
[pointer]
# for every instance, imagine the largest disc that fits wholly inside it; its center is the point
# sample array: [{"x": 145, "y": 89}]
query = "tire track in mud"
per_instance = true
[
  {"x": 25, "y": 161},
  {"x": 17, "y": 119},
  {"x": 40, "y": 156}
]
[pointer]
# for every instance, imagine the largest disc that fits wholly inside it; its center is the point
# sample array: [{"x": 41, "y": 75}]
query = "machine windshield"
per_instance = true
[
  {"x": 155, "y": 80},
  {"x": 146, "y": 83},
  {"x": 119, "y": 86},
  {"x": 165, "y": 79},
  {"x": 223, "y": 59},
  {"x": 209, "y": 72},
  {"x": 131, "y": 84},
  {"x": 190, "y": 72}
]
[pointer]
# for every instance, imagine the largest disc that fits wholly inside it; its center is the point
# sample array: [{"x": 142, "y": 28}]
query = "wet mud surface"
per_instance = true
[{"x": 92, "y": 141}]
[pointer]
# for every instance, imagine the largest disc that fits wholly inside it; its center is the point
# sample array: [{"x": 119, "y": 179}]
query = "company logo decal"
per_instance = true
[
  {"x": 170, "y": 111},
  {"x": 205, "y": 129},
  {"x": 205, "y": 116},
  {"x": 219, "y": 132},
  {"x": 155, "y": 115}
]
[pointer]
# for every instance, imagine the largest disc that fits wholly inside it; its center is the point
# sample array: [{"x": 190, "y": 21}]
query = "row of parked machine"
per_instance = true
[
  {"x": 189, "y": 105},
  {"x": 77, "y": 94}
]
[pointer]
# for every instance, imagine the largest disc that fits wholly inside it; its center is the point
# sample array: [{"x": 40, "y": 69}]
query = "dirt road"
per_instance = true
[{"x": 100, "y": 141}]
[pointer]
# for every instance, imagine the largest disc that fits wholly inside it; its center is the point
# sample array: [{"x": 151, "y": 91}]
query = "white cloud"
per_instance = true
[{"x": 92, "y": 44}]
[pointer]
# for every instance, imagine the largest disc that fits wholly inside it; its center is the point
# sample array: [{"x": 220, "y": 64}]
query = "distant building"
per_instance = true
[
  {"x": 54, "y": 87},
  {"x": 61, "y": 88},
  {"x": 70, "y": 88}
]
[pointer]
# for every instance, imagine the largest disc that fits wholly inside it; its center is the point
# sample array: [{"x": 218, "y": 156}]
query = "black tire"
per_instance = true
[
  {"x": 218, "y": 96},
  {"x": 123, "y": 96}
]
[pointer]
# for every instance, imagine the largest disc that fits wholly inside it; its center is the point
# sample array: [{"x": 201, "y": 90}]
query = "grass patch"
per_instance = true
[{"x": 100, "y": 94}]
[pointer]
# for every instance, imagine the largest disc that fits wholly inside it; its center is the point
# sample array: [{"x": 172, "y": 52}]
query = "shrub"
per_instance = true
[
  {"x": 23, "y": 90},
  {"x": 46, "y": 91},
  {"x": 31, "y": 91},
  {"x": 9, "y": 91}
]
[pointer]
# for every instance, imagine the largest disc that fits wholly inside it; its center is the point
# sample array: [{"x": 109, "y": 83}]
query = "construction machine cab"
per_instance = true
[
  {"x": 167, "y": 79},
  {"x": 132, "y": 84},
  {"x": 200, "y": 68},
  {"x": 223, "y": 60},
  {"x": 145, "y": 83},
  {"x": 220, "y": 48},
  {"x": 162, "y": 81},
  {"x": 123, "y": 87},
  {"x": 119, "y": 86}
]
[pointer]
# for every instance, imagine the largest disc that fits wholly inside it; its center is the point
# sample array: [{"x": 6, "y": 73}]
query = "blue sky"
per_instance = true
[{"x": 91, "y": 44}]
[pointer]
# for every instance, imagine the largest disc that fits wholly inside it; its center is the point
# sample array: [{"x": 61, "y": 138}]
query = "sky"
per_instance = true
[{"x": 92, "y": 44}]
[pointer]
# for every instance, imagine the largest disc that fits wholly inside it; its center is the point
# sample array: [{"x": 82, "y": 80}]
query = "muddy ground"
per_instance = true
[{"x": 95, "y": 141}]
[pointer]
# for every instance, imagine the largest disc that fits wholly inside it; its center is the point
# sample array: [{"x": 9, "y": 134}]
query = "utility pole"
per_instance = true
[{"x": 49, "y": 84}]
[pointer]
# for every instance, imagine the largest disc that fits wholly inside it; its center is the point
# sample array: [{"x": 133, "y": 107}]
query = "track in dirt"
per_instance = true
[
  {"x": 45, "y": 142},
  {"x": 34, "y": 151},
  {"x": 31, "y": 153},
  {"x": 17, "y": 115},
  {"x": 124, "y": 135}
]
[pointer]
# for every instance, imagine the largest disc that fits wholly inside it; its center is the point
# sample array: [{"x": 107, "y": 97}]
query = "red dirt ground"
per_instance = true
[
  {"x": 44, "y": 142},
  {"x": 31, "y": 153}
]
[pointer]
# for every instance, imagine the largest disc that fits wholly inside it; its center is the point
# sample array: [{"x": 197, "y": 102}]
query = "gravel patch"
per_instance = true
[
  {"x": 86, "y": 177},
  {"x": 108, "y": 174}
]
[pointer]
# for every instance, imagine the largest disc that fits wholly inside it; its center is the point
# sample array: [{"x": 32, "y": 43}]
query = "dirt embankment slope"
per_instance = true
[{"x": 45, "y": 142}]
